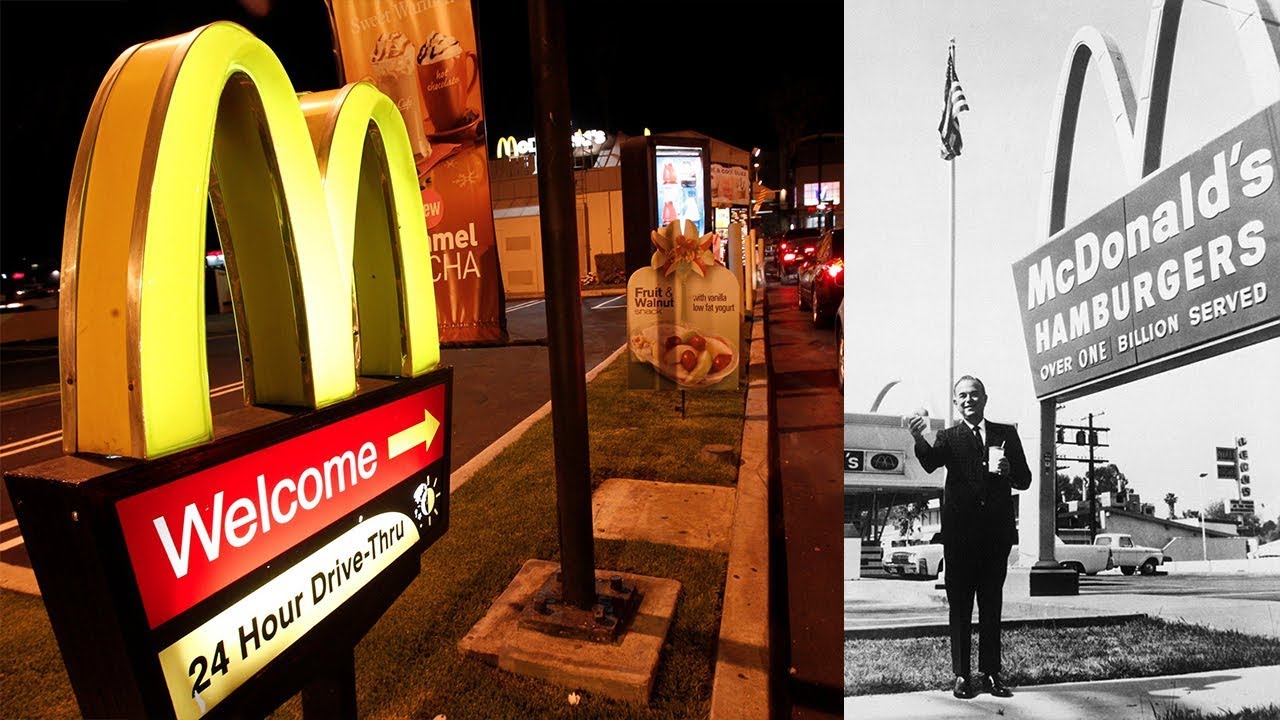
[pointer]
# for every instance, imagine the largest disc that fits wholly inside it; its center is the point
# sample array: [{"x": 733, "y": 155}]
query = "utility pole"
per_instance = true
[
  {"x": 1086, "y": 435},
  {"x": 1093, "y": 485}
]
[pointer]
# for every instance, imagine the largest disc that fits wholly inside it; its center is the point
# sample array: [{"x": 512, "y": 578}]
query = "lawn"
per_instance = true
[
  {"x": 408, "y": 665},
  {"x": 1041, "y": 655},
  {"x": 1270, "y": 712}
]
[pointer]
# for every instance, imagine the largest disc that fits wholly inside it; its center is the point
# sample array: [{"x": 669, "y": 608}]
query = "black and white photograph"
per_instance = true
[{"x": 1059, "y": 456}]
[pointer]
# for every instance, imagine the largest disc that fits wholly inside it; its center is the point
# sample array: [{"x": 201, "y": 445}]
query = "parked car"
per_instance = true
[
  {"x": 1084, "y": 559},
  {"x": 928, "y": 560},
  {"x": 793, "y": 247},
  {"x": 840, "y": 342},
  {"x": 821, "y": 277},
  {"x": 913, "y": 557},
  {"x": 1130, "y": 557}
]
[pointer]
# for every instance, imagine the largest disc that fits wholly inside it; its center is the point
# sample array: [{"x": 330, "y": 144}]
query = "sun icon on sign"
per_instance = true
[{"x": 424, "y": 499}]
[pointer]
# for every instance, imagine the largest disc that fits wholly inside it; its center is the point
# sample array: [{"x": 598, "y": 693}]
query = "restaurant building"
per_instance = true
[{"x": 598, "y": 180}]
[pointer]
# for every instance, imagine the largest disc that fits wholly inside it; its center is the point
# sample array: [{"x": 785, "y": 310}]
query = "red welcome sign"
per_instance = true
[{"x": 190, "y": 538}]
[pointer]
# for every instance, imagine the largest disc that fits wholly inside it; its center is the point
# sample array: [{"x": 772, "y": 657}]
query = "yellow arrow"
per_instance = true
[{"x": 421, "y": 434}]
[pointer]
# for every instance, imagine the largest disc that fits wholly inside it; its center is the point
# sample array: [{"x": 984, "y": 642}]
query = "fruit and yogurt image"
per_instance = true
[{"x": 689, "y": 357}]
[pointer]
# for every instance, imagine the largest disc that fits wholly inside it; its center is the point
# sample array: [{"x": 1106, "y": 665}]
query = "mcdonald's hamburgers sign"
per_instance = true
[
  {"x": 1182, "y": 267},
  {"x": 196, "y": 567}
]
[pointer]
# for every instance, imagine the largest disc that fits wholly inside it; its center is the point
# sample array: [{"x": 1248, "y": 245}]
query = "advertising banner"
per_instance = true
[
  {"x": 684, "y": 317},
  {"x": 1187, "y": 261},
  {"x": 424, "y": 57},
  {"x": 730, "y": 185}
]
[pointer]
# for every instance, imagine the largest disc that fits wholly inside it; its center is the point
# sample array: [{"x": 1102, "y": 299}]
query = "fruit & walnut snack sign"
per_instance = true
[
  {"x": 1187, "y": 261},
  {"x": 684, "y": 316},
  {"x": 187, "y": 575}
]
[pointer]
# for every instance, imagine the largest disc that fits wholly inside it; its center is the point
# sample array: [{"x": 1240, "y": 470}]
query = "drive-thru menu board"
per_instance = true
[{"x": 1187, "y": 261}]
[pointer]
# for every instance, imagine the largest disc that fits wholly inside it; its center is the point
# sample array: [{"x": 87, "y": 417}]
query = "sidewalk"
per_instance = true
[
  {"x": 876, "y": 607},
  {"x": 897, "y": 608},
  {"x": 1207, "y": 692}
]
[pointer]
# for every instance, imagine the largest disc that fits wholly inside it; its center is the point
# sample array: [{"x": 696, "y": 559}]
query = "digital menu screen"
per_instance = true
[{"x": 680, "y": 185}]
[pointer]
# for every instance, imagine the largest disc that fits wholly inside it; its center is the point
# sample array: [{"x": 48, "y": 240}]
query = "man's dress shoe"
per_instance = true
[
  {"x": 994, "y": 685},
  {"x": 962, "y": 689}
]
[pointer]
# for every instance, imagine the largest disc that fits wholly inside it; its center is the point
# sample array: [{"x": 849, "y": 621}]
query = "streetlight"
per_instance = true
[{"x": 1204, "y": 545}]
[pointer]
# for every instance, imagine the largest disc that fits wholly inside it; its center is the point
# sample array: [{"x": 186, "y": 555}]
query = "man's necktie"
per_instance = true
[{"x": 977, "y": 432}]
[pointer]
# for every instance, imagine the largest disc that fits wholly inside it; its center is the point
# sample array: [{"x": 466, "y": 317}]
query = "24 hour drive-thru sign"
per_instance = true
[
  {"x": 195, "y": 566},
  {"x": 1186, "y": 262}
]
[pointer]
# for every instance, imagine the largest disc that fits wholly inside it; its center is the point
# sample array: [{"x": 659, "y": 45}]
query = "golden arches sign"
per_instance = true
[
  {"x": 1139, "y": 119},
  {"x": 317, "y": 208}
]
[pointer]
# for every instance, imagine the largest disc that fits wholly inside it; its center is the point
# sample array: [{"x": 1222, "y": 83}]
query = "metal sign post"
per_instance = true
[{"x": 573, "y": 602}]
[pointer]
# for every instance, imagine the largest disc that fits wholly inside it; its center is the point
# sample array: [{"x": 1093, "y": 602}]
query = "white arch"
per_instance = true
[{"x": 1139, "y": 122}]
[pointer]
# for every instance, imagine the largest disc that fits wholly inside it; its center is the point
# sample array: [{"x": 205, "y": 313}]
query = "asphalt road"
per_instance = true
[
  {"x": 495, "y": 389},
  {"x": 809, "y": 489}
]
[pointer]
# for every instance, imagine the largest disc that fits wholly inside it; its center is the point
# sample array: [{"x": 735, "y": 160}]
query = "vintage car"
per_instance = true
[
  {"x": 927, "y": 559},
  {"x": 1130, "y": 557}
]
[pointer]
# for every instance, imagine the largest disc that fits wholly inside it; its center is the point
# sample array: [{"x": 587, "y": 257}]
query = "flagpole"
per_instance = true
[{"x": 951, "y": 351}]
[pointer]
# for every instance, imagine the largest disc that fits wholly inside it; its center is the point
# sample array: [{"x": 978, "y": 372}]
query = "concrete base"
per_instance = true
[
  {"x": 693, "y": 516},
  {"x": 623, "y": 670},
  {"x": 1052, "y": 581}
]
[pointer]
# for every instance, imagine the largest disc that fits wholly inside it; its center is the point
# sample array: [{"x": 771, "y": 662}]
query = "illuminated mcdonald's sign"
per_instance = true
[
  {"x": 318, "y": 212},
  {"x": 223, "y": 574},
  {"x": 582, "y": 141}
]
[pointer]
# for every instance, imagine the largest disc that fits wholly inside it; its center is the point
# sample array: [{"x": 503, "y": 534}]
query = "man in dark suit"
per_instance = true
[{"x": 978, "y": 528}]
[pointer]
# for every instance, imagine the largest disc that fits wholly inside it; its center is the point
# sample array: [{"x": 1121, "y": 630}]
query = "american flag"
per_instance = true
[{"x": 954, "y": 103}]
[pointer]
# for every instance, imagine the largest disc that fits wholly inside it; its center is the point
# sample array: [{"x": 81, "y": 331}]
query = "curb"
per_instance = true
[
  {"x": 27, "y": 397},
  {"x": 740, "y": 688},
  {"x": 903, "y": 632},
  {"x": 586, "y": 293}
]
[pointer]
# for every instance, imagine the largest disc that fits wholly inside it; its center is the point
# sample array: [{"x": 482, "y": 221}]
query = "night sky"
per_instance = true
[{"x": 732, "y": 70}]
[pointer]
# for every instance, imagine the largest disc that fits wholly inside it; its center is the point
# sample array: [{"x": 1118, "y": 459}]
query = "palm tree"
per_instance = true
[{"x": 1170, "y": 499}]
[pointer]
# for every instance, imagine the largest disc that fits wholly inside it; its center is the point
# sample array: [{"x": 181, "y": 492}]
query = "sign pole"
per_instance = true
[
  {"x": 564, "y": 300},
  {"x": 333, "y": 693}
]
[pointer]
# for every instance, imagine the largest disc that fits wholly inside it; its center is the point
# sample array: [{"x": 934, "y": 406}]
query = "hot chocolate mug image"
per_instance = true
[{"x": 443, "y": 76}]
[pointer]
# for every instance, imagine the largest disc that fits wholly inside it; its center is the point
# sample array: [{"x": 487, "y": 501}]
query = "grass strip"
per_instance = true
[
  {"x": 408, "y": 665},
  {"x": 1041, "y": 655},
  {"x": 1270, "y": 712}
]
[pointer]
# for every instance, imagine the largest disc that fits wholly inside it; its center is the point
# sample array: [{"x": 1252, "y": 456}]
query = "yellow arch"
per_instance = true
[
  {"x": 210, "y": 116},
  {"x": 367, "y": 164}
]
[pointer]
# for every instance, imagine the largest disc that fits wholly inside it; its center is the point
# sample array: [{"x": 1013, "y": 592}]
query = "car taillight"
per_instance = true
[
  {"x": 784, "y": 246},
  {"x": 789, "y": 257},
  {"x": 808, "y": 251},
  {"x": 835, "y": 270}
]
